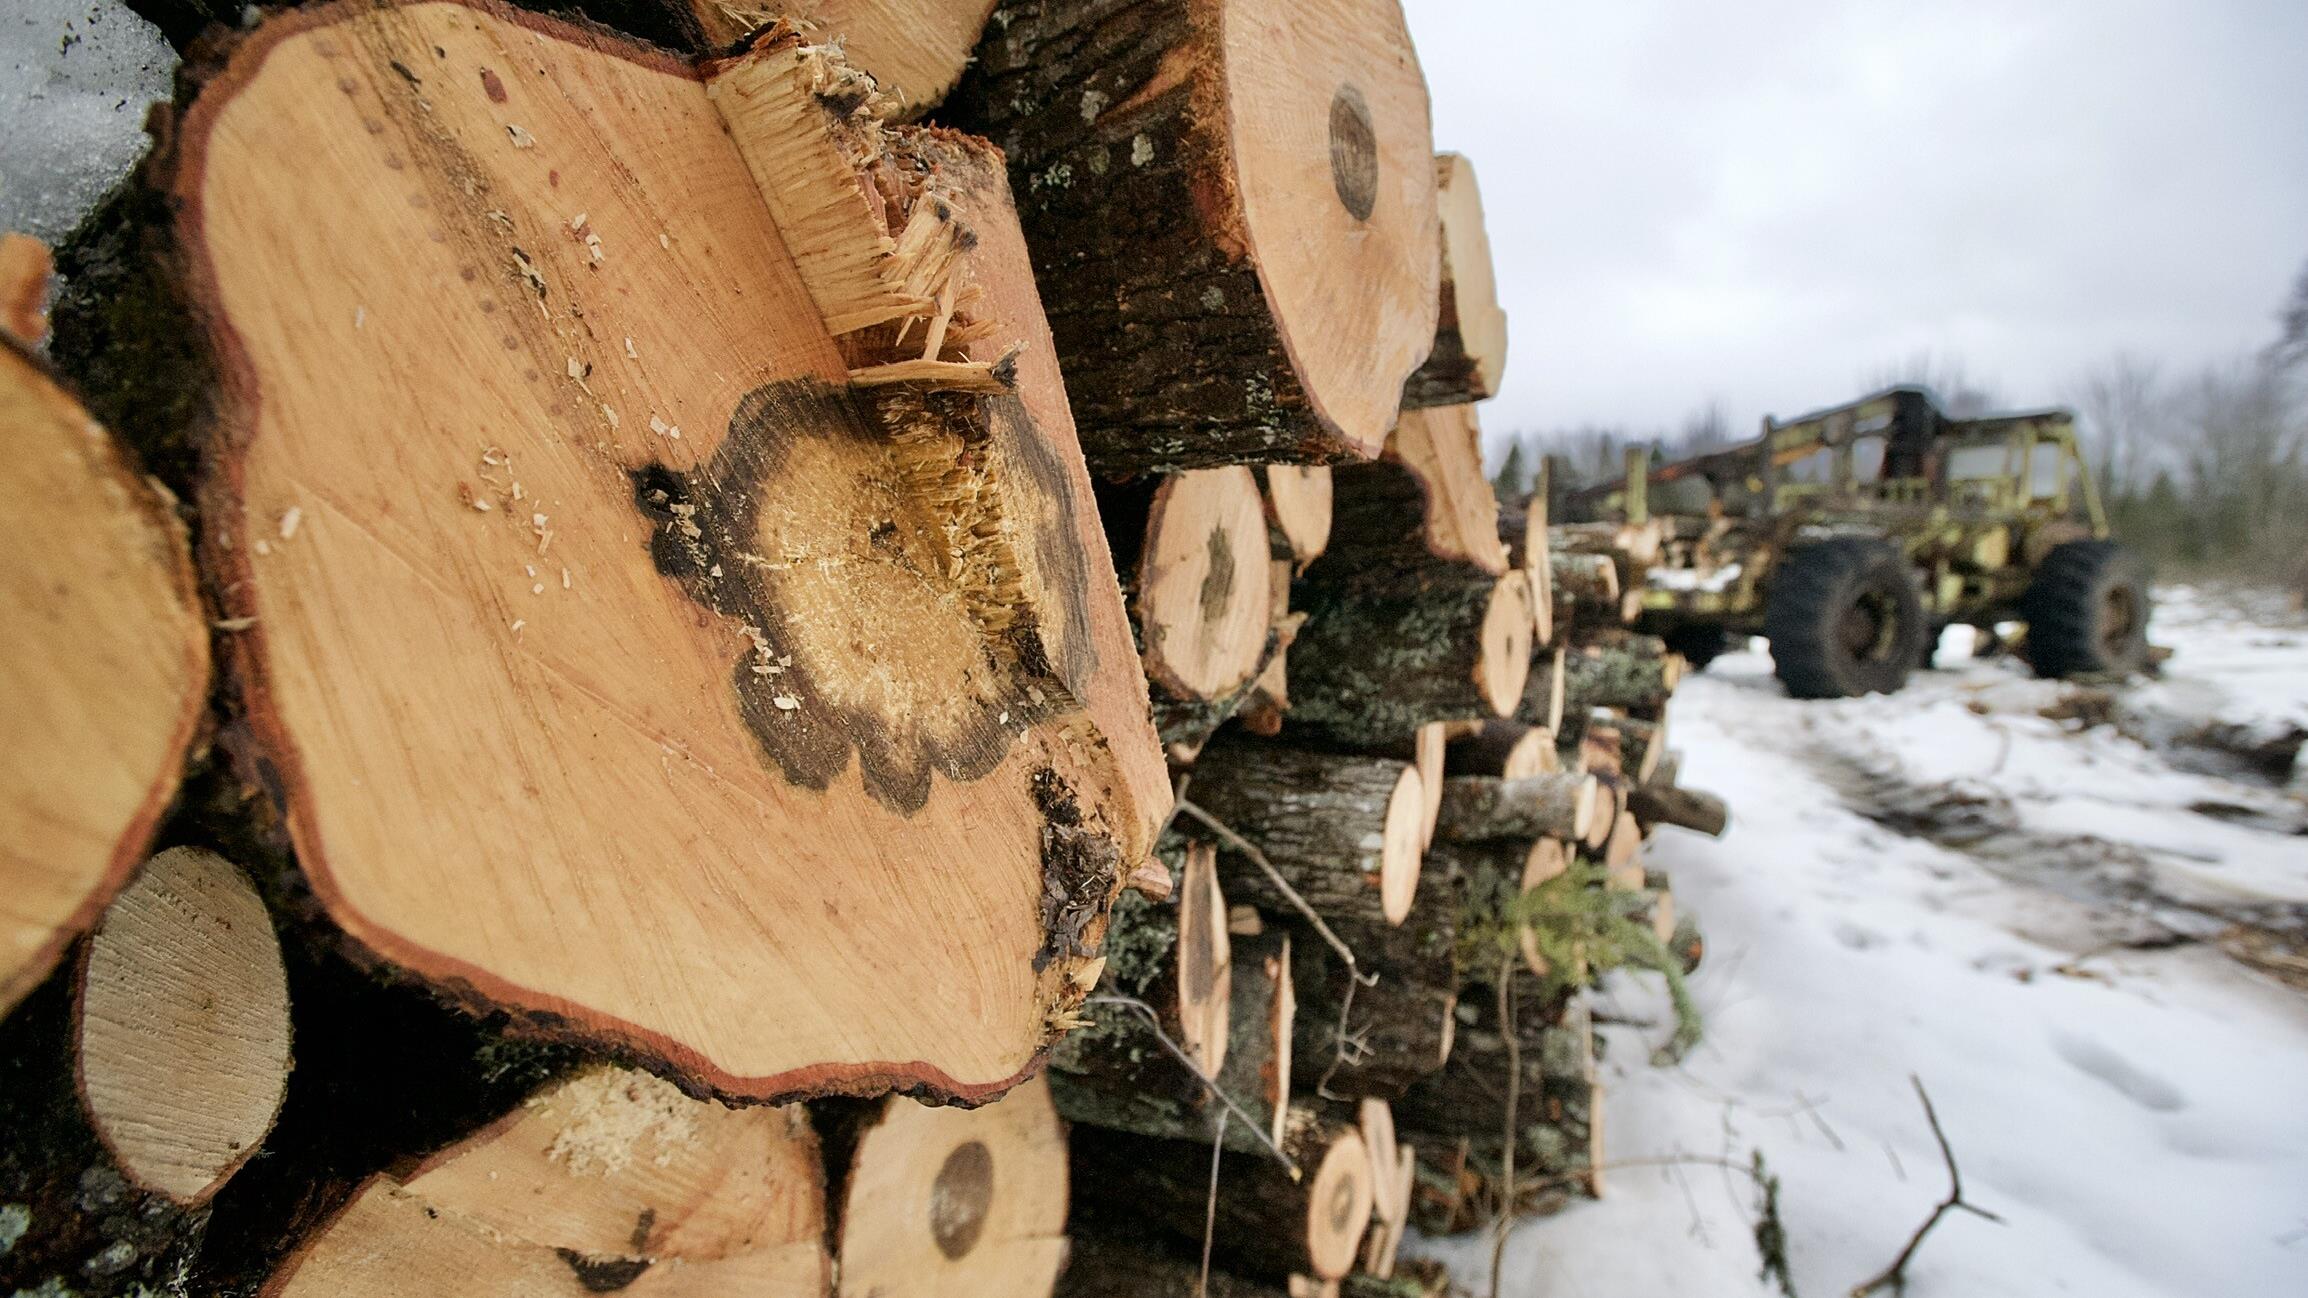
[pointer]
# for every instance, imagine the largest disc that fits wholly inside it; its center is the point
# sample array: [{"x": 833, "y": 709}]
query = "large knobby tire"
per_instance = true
[
  {"x": 1844, "y": 619},
  {"x": 2087, "y": 611}
]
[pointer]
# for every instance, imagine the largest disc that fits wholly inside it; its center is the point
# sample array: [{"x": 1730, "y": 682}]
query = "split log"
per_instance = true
[
  {"x": 915, "y": 50},
  {"x": 107, "y": 668},
  {"x": 1374, "y": 662},
  {"x": 1477, "y": 808},
  {"x": 944, "y": 1201},
  {"x": 670, "y": 681},
  {"x": 1298, "y": 510},
  {"x": 1233, "y": 205},
  {"x": 1270, "y": 1224},
  {"x": 1175, "y": 959},
  {"x": 1665, "y": 804},
  {"x": 1470, "y": 344},
  {"x": 128, "y": 1108},
  {"x": 1342, "y": 831},
  {"x": 1192, "y": 551},
  {"x": 609, "y": 1179},
  {"x": 1507, "y": 750}
]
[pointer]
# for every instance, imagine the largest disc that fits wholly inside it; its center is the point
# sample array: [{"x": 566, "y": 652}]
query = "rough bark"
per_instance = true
[
  {"x": 1219, "y": 297},
  {"x": 1342, "y": 831},
  {"x": 1269, "y": 1225},
  {"x": 1357, "y": 1040},
  {"x": 1125, "y": 1263},
  {"x": 668, "y": 717},
  {"x": 1634, "y": 673},
  {"x": 1556, "y": 1106},
  {"x": 1424, "y": 503},
  {"x": 1174, "y": 958},
  {"x": 1376, "y": 661},
  {"x": 1478, "y": 808}
]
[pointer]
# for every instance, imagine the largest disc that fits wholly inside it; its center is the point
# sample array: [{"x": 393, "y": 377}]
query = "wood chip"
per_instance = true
[
  {"x": 234, "y": 623},
  {"x": 786, "y": 702},
  {"x": 521, "y": 137},
  {"x": 290, "y": 518}
]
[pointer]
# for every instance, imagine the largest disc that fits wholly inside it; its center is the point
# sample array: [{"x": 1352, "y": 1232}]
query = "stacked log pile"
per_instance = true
[{"x": 605, "y": 624}]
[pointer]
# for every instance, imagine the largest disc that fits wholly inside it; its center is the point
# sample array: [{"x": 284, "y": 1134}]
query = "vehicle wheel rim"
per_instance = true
[{"x": 1869, "y": 627}]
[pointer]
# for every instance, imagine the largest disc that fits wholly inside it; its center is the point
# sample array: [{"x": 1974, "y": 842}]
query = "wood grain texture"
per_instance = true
[
  {"x": 107, "y": 654},
  {"x": 611, "y": 1180},
  {"x": 949, "y": 1201},
  {"x": 1470, "y": 346},
  {"x": 183, "y": 1050},
  {"x": 538, "y": 470}
]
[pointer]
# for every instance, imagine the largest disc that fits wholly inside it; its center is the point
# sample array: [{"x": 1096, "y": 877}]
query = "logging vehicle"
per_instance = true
[{"x": 1850, "y": 537}]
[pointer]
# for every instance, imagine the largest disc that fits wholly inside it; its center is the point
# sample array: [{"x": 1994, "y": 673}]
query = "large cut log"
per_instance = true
[
  {"x": 944, "y": 1201},
  {"x": 1342, "y": 831},
  {"x": 1375, "y": 660},
  {"x": 107, "y": 668},
  {"x": 668, "y": 612},
  {"x": 139, "y": 1082},
  {"x": 1174, "y": 960},
  {"x": 1193, "y": 553},
  {"x": 1470, "y": 343},
  {"x": 1232, "y": 204},
  {"x": 611, "y": 1179},
  {"x": 1476, "y": 808},
  {"x": 1270, "y": 1225}
]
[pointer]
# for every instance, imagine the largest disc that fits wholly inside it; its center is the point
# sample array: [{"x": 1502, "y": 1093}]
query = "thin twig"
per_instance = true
[
  {"x": 1510, "y": 1031},
  {"x": 1154, "y": 1021},
  {"x": 1274, "y": 876},
  {"x": 1894, "y": 1277},
  {"x": 1347, "y": 1048},
  {"x": 1210, "y": 1208}
]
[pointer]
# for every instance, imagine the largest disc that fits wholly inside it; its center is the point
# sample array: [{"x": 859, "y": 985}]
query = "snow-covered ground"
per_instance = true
[{"x": 2036, "y": 919}]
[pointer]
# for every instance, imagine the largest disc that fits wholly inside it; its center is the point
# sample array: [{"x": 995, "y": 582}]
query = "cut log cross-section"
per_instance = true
[
  {"x": 1470, "y": 347},
  {"x": 184, "y": 1024},
  {"x": 944, "y": 1201},
  {"x": 611, "y": 1180},
  {"x": 1233, "y": 206},
  {"x": 1193, "y": 551},
  {"x": 668, "y": 612},
  {"x": 107, "y": 668},
  {"x": 1298, "y": 510}
]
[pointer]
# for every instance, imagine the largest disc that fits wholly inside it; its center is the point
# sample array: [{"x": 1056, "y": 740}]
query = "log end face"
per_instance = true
[
  {"x": 1338, "y": 1206},
  {"x": 1503, "y": 664},
  {"x": 1332, "y": 151},
  {"x": 1204, "y": 583},
  {"x": 1403, "y": 845}
]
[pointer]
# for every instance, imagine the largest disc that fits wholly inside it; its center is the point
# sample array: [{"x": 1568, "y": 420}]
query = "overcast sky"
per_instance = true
[{"x": 1768, "y": 203}]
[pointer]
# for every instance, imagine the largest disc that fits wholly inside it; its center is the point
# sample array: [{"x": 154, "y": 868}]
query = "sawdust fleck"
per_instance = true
[{"x": 611, "y": 1120}]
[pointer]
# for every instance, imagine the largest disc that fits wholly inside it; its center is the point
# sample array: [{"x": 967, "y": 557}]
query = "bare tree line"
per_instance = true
[{"x": 2204, "y": 471}]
